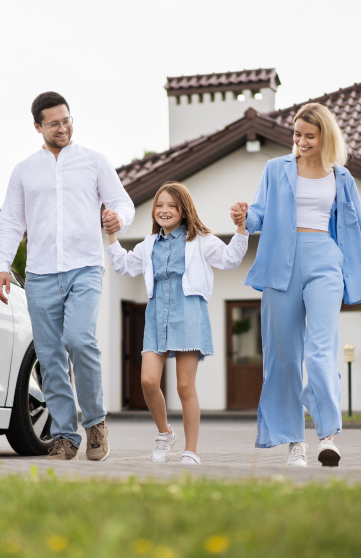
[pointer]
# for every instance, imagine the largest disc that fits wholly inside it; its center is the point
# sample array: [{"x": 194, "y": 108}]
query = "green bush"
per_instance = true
[{"x": 19, "y": 263}]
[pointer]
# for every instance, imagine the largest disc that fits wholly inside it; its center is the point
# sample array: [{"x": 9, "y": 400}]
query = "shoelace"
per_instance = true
[
  {"x": 56, "y": 449},
  {"x": 299, "y": 450},
  {"x": 96, "y": 435},
  {"x": 161, "y": 444}
]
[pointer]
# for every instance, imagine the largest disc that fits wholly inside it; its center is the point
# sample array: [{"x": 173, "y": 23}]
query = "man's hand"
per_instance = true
[
  {"x": 111, "y": 221},
  {"x": 239, "y": 212},
  {"x": 4, "y": 280}
]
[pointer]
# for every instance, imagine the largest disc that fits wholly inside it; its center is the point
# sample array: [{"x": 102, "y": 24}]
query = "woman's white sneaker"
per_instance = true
[
  {"x": 297, "y": 454},
  {"x": 163, "y": 444},
  {"x": 328, "y": 454},
  {"x": 190, "y": 458}
]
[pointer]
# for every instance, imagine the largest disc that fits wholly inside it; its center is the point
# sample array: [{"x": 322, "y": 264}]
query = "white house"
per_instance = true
[{"x": 222, "y": 129}]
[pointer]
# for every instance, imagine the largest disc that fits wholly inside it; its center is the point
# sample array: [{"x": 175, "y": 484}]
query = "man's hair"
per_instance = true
[
  {"x": 183, "y": 201},
  {"x": 46, "y": 100}
]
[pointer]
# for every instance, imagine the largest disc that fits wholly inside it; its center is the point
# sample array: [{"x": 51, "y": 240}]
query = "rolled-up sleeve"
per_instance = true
[
  {"x": 12, "y": 221},
  {"x": 113, "y": 194},
  {"x": 256, "y": 211}
]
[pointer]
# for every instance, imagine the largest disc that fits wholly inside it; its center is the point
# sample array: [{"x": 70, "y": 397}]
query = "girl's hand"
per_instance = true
[{"x": 239, "y": 212}]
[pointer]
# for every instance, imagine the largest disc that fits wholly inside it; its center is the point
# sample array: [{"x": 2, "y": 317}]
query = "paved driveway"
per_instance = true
[{"x": 226, "y": 449}]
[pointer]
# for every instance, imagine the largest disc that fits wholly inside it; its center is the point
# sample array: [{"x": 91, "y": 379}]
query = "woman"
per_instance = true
[{"x": 309, "y": 257}]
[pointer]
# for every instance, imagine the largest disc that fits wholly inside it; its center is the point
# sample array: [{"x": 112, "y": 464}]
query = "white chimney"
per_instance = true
[{"x": 202, "y": 104}]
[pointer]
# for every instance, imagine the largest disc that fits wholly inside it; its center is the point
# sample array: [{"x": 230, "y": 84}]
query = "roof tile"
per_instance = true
[{"x": 243, "y": 77}]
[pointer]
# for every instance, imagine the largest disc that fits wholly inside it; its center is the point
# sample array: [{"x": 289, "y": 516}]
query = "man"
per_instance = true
[{"x": 56, "y": 195}]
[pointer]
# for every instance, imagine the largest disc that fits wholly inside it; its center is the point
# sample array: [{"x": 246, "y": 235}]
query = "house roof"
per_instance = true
[
  {"x": 226, "y": 81},
  {"x": 344, "y": 103},
  {"x": 142, "y": 177}
]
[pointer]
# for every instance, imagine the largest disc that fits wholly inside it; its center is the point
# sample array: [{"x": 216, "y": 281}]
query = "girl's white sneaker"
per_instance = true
[
  {"x": 328, "y": 454},
  {"x": 297, "y": 454},
  {"x": 163, "y": 444},
  {"x": 190, "y": 458}
]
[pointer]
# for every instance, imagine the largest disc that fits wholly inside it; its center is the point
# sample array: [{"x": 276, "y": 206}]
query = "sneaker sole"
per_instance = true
[
  {"x": 103, "y": 458},
  {"x": 76, "y": 458},
  {"x": 168, "y": 456},
  {"x": 329, "y": 458}
]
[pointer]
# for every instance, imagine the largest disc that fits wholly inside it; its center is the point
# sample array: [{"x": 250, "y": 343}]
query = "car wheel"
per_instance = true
[{"x": 29, "y": 429}]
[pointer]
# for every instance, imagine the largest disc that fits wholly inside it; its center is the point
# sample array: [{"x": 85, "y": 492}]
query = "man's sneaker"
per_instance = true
[
  {"x": 163, "y": 444},
  {"x": 97, "y": 447},
  {"x": 328, "y": 454},
  {"x": 63, "y": 450},
  {"x": 190, "y": 458},
  {"x": 297, "y": 454}
]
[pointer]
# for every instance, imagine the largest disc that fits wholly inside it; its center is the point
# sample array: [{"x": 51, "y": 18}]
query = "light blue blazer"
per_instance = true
[{"x": 274, "y": 213}]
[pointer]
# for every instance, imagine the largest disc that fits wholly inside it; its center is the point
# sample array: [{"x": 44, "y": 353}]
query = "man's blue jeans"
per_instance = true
[{"x": 64, "y": 310}]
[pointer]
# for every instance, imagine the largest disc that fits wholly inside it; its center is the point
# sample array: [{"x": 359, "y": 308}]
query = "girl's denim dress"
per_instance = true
[{"x": 174, "y": 322}]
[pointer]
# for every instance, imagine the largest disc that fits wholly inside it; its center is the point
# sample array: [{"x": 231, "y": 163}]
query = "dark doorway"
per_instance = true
[
  {"x": 244, "y": 354},
  {"x": 133, "y": 332}
]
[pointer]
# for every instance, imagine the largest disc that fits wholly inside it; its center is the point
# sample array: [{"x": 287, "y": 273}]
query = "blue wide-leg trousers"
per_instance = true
[{"x": 315, "y": 292}]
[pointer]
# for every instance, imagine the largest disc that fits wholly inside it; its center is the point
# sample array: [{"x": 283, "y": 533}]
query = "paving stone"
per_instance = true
[{"x": 226, "y": 449}]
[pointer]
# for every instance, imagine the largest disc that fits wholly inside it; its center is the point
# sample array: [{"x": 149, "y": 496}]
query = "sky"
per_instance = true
[{"x": 110, "y": 59}]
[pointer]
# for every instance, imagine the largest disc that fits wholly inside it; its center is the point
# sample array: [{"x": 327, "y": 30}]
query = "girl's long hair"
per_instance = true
[
  {"x": 183, "y": 201},
  {"x": 334, "y": 148}
]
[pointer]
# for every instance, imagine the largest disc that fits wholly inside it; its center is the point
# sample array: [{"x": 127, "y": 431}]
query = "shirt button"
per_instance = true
[
  {"x": 346, "y": 276},
  {"x": 340, "y": 244}
]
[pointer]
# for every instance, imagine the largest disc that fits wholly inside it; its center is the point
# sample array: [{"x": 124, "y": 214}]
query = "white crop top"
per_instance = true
[{"x": 315, "y": 197}]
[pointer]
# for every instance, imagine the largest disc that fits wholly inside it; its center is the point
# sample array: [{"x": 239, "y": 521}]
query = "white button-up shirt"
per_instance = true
[{"x": 58, "y": 201}]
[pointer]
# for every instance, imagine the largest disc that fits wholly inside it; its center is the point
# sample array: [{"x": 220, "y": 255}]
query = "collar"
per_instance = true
[
  {"x": 69, "y": 146},
  {"x": 176, "y": 233}
]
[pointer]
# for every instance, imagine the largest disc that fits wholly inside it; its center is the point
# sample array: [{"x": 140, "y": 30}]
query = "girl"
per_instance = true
[
  {"x": 309, "y": 256},
  {"x": 176, "y": 262}
]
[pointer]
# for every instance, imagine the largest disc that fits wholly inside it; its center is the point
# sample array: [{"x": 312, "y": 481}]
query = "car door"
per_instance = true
[{"x": 6, "y": 346}]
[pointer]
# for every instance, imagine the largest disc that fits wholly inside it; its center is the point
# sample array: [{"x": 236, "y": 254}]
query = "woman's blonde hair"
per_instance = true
[
  {"x": 334, "y": 148},
  {"x": 183, "y": 201}
]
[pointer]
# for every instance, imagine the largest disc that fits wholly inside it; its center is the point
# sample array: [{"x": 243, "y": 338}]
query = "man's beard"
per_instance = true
[{"x": 53, "y": 143}]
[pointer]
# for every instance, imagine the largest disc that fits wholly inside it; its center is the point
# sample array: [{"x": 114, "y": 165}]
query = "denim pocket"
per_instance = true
[
  {"x": 30, "y": 276},
  {"x": 350, "y": 215}
]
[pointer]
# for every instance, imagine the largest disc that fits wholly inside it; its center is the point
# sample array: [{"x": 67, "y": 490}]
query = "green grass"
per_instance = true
[
  {"x": 355, "y": 418},
  {"x": 179, "y": 519}
]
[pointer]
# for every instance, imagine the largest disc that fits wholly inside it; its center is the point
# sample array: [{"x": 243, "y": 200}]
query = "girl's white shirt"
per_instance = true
[{"x": 201, "y": 254}]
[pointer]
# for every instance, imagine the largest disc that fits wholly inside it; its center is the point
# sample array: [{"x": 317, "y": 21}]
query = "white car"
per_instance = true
[{"x": 24, "y": 417}]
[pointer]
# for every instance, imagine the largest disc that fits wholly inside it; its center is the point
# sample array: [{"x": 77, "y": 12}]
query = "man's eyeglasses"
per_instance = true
[{"x": 55, "y": 126}]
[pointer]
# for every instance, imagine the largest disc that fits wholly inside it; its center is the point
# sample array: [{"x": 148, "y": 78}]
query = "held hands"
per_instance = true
[
  {"x": 4, "y": 280},
  {"x": 239, "y": 215},
  {"x": 111, "y": 221}
]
